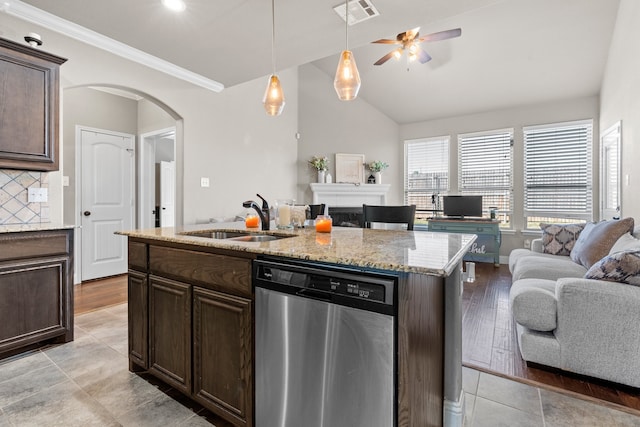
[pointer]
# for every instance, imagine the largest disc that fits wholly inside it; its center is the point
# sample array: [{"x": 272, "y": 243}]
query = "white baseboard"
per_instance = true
[{"x": 453, "y": 412}]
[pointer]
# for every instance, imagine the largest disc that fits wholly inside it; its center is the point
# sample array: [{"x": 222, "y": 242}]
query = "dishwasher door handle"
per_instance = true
[{"x": 313, "y": 294}]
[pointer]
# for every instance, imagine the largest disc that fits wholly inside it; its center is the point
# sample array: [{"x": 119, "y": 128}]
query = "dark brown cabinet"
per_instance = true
[
  {"x": 170, "y": 332},
  {"x": 36, "y": 289},
  {"x": 191, "y": 324},
  {"x": 222, "y": 346},
  {"x": 137, "y": 298},
  {"x": 29, "y": 107}
]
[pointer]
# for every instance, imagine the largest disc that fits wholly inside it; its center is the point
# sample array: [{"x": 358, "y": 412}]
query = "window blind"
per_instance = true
[
  {"x": 557, "y": 170},
  {"x": 485, "y": 168},
  {"x": 426, "y": 170}
]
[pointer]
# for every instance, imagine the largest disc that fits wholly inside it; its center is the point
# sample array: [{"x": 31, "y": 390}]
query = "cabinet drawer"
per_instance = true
[
  {"x": 218, "y": 272},
  {"x": 34, "y": 244},
  {"x": 138, "y": 256}
]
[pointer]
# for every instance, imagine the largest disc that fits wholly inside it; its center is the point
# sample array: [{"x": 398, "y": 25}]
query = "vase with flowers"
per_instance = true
[
  {"x": 377, "y": 166},
  {"x": 320, "y": 164}
]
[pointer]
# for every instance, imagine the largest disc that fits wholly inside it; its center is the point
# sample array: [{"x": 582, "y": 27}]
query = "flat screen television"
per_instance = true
[{"x": 462, "y": 206}]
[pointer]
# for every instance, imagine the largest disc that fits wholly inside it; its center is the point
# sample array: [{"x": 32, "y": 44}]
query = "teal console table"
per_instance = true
[{"x": 486, "y": 248}]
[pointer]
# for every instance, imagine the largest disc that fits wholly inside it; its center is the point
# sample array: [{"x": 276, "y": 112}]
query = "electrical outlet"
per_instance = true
[
  {"x": 65, "y": 181},
  {"x": 527, "y": 244},
  {"x": 204, "y": 182},
  {"x": 37, "y": 195}
]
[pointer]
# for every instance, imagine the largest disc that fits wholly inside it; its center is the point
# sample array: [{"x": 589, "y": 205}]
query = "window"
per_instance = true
[
  {"x": 485, "y": 167},
  {"x": 426, "y": 172},
  {"x": 557, "y": 172}
]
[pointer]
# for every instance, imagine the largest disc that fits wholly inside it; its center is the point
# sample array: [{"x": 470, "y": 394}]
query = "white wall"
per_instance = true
[
  {"x": 516, "y": 118},
  {"x": 227, "y": 136},
  {"x": 620, "y": 100},
  {"x": 328, "y": 126}
]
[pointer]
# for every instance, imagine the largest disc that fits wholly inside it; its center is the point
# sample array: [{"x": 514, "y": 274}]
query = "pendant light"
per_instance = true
[
  {"x": 347, "y": 81},
  {"x": 274, "y": 96}
]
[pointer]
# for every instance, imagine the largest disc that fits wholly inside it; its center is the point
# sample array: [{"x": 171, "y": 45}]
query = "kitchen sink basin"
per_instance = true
[{"x": 238, "y": 236}]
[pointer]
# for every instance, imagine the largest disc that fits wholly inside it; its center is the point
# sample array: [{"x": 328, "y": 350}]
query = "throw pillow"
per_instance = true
[
  {"x": 623, "y": 267},
  {"x": 558, "y": 239},
  {"x": 597, "y": 239},
  {"x": 625, "y": 243}
]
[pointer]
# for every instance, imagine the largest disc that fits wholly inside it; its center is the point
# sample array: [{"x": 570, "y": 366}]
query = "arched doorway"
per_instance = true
[{"x": 121, "y": 111}]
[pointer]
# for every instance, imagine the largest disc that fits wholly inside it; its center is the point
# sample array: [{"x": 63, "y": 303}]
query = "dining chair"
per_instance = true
[
  {"x": 315, "y": 210},
  {"x": 404, "y": 214}
]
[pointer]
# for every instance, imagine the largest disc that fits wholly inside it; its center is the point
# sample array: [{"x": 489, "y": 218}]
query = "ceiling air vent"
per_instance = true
[{"x": 359, "y": 10}]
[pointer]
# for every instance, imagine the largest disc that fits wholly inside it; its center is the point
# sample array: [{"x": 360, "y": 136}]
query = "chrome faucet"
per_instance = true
[{"x": 263, "y": 212}]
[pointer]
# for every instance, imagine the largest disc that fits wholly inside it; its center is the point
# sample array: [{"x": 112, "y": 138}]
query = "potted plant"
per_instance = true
[
  {"x": 377, "y": 166},
  {"x": 320, "y": 164}
]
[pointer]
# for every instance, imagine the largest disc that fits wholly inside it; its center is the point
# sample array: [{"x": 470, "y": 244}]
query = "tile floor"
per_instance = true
[{"x": 87, "y": 383}]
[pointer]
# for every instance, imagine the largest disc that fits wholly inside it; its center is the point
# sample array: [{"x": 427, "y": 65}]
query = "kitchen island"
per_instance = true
[{"x": 191, "y": 311}]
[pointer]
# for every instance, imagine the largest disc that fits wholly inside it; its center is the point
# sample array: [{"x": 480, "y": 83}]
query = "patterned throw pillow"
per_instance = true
[
  {"x": 558, "y": 239},
  {"x": 623, "y": 267}
]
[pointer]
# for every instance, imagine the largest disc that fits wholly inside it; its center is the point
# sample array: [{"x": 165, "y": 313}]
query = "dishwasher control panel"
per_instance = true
[{"x": 352, "y": 285}]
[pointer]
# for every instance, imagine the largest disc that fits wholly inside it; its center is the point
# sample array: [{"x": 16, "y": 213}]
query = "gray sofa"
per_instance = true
[{"x": 577, "y": 324}]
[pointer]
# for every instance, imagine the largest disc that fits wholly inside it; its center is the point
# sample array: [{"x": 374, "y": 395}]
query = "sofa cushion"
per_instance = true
[
  {"x": 558, "y": 239},
  {"x": 621, "y": 267},
  {"x": 626, "y": 242},
  {"x": 533, "y": 303},
  {"x": 597, "y": 239},
  {"x": 545, "y": 266}
]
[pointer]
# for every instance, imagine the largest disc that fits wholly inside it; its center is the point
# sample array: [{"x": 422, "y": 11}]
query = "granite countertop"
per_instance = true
[
  {"x": 409, "y": 251},
  {"x": 17, "y": 228}
]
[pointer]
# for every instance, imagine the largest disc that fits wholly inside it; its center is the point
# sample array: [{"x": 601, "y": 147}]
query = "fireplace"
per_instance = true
[
  {"x": 345, "y": 216},
  {"x": 345, "y": 201}
]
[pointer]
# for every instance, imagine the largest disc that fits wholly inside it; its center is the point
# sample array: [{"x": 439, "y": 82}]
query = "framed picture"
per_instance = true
[{"x": 350, "y": 168}]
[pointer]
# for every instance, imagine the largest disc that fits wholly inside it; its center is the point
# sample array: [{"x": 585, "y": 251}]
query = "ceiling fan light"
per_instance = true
[
  {"x": 347, "y": 81},
  {"x": 412, "y": 57},
  {"x": 397, "y": 54},
  {"x": 273, "y": 97}
]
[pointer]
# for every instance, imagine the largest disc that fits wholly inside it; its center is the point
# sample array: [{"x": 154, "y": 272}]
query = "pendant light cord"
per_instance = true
[
  {"x": 346, "y": 25},
  {"x": 273, "y": 36}
]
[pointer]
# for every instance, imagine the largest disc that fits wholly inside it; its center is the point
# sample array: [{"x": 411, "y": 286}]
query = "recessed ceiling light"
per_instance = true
[{"x": 175, "y": 5}]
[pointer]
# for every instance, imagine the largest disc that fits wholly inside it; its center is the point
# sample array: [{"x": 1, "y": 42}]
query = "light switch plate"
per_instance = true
[
  {"x": 37, "y": 195},
  {"x": 204, "y": 182}
]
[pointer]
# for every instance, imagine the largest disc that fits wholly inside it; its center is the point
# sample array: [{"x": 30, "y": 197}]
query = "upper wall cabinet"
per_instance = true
[{"x": 29, "y": 107}]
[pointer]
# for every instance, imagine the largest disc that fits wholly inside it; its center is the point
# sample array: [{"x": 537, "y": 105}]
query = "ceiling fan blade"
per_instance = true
[
  {"x": 442, "y": 35},
  {"x": 423, "y": 56},
  {"x": 384, "y": 58},
  {"x": 387, "y": 41}
]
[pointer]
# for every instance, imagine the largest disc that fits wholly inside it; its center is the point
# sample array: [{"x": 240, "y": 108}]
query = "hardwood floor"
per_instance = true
[
  {"x": 489, "y": 343},
  {"x": 488, "y": 335},
  {"x": 97, "y": 294}
]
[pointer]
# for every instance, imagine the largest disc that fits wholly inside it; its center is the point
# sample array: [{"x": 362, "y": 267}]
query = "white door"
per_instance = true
[
  {"x": 167, "y": 193},
  {"x": 610, "y": 173},
  {"x": 106, "y": 202}
]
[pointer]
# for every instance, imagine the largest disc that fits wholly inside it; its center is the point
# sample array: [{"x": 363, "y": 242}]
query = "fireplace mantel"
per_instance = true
[{"x": 350, "y": 194}]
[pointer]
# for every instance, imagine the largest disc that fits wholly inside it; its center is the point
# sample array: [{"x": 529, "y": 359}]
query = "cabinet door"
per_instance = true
[
  {"x": 223, "y": 348},
  {"x": 29, "y": 104},
  {"x": 138, "y": 318},
  {"x": 34, "y": 302},
  {"x": 170, "y": 332}
]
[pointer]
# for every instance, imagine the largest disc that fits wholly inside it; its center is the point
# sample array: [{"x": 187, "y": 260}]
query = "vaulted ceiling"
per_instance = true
[{"x": 511, "y": 52}]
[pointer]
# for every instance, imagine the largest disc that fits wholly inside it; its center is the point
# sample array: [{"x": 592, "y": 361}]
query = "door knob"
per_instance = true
[{"x": 86, "y": 213}]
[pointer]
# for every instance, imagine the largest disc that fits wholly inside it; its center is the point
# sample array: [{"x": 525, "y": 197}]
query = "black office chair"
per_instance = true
[
  {"x": 389, "y": 214},
  {"x": 315, "y": 210}
]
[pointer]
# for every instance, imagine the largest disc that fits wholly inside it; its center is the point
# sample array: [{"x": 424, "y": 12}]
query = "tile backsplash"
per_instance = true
[{"x": 14, "y": 208}]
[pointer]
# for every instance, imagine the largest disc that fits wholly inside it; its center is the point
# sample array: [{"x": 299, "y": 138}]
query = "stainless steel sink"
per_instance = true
[{"x": 238, "y": 236}]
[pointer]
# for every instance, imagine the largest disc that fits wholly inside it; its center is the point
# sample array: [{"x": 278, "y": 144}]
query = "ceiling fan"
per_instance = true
[{"x": 410, "y": 42}]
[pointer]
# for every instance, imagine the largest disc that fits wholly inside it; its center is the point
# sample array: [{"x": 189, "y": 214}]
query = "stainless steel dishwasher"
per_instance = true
[{"x": 325, "y": 349}]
